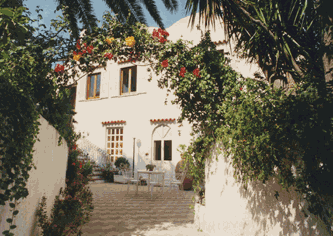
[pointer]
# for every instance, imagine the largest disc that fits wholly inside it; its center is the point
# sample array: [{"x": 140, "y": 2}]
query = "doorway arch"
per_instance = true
[{"x": 161, "y": 144}]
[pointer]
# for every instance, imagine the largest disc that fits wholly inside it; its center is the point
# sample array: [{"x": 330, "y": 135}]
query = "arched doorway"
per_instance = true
[{"x": 162, "y": 146}]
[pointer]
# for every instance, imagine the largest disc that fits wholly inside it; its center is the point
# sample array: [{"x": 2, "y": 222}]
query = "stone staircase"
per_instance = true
[{"x": 96, "y": 176}]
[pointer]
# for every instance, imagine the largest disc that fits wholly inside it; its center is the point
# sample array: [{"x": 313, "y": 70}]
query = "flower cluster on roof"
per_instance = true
[
  {"x": 113, "y": 122},
  {"x": 159, "y": 120}
]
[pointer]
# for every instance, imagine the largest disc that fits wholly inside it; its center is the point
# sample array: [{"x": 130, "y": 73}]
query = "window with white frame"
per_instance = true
[{"x": 114, "y": 142}]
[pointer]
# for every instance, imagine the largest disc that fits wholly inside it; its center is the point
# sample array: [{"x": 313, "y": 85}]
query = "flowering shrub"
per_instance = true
[
  {"x": 108, "y": 172},
  {"x": 130, "y": 41},
  {"x": 72, "y": 207}
]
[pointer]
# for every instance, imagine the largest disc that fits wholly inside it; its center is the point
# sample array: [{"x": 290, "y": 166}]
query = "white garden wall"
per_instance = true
[
  {"x": 230, "y": 210},
  {"x": 51, "y": 163}
]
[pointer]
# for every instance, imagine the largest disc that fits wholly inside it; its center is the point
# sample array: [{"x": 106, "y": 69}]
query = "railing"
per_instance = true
[{"x": 93, "y": 152}]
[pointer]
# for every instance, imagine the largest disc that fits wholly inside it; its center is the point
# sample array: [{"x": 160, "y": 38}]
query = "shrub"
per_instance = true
[
  {"x": 121, "y": 160},
  {"x": 108, "y": 172}
]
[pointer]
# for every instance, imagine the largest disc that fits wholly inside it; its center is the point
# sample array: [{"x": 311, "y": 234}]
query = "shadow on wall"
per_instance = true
[{"x": 281, "y": 217}]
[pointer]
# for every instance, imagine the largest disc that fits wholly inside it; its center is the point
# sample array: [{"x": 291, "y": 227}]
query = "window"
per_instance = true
[
  {"x": 165, "y": 147},
  {"x": 157, "y": 144},
  {"x": 93, "y": 86},
  {"x": 114, "y": 143},
  {"x": 167, "y": 150},
  {"x": 128, "y": 80}
]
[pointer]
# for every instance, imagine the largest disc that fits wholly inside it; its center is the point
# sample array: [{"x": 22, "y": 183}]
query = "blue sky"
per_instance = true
[{"x": 100, "y": 7}]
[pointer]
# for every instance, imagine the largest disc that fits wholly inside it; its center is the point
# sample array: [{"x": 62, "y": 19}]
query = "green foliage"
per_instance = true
[
  {"x": 121, "y": 160},
  {"x": 29, "y": 91},
  {"x": 108, "y": 172}
]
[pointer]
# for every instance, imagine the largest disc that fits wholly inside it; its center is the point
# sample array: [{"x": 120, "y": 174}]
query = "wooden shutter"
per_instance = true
[
  {"x": 104, "y": 90},
  {"x": 81, "y": 89}
]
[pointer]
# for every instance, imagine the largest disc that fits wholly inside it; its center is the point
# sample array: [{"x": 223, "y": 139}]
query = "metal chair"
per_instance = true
[{"x": 128, "y": 177}]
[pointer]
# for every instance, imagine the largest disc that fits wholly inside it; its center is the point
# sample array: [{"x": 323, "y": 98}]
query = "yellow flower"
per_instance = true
[
  {"x": 130, "y": 41},
  {"x": 77, "y": 57},
  {"x": 109, "y": 40}
]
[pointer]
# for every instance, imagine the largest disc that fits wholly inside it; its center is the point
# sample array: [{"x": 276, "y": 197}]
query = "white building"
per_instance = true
[{"x": 116, "y": 108}]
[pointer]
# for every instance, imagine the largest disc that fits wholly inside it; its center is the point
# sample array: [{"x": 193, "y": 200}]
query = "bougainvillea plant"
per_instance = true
[
  {"x": 223, "y": 106},
  {"x": 249, "y": 118}
]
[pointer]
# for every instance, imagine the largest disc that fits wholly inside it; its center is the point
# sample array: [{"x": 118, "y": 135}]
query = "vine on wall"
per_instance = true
[{"x": 260, "y": 127}]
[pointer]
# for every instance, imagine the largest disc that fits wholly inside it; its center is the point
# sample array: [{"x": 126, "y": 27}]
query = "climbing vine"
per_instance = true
[{"x": 267, "y": 132}]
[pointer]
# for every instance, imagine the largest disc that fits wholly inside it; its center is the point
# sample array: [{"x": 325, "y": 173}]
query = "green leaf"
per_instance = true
[
  {"x": 9, "y": 220},
  {"x": 12, "y": 226},
  {"x": 7, "y": 12},
  {"x": 12, "y": 205}
]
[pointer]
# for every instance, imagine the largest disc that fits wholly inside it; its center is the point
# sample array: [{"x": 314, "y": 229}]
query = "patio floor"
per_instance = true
[{"x": 119, "y": 213}]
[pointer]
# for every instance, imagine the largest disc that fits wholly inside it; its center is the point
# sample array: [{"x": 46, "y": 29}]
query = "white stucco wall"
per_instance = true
[
  {"x": 230, "y": 210},
  {"x": 51, "y": 163},
  {"x": 147, "y": 103}
]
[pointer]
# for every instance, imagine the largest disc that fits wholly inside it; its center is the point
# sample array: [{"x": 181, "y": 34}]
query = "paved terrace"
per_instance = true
[{"x": 119, "y": 213}]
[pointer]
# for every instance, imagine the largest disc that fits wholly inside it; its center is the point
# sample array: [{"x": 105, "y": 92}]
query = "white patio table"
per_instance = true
[{"x": 152, "y": 173}]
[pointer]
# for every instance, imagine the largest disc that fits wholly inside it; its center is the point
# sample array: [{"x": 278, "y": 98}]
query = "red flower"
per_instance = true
[
  {"x": 59, "y": 68},
  {"x": 160, "y": 30},
  {"x": 196, "y": 72},
  {"x": 78, "y": 45},
  {"x": 165, "y": 63},
  {"x": 73, "y": 163},
  {"x": 165, "y": 33},
  {"x": 108, "y": 55},
  {"x": 84, "y": 51},
  {"x": 182, "y": 71},
  {"x": 155, "y": 34},
  {"x": 85, "y": 44},
  {"x": 80, "y": 166},
  {"x": 241, "y": 89},
  {"x": 74, "y": 53},
  {"x": 162, "y": 40},
  {"x": 90, "y": 48}
]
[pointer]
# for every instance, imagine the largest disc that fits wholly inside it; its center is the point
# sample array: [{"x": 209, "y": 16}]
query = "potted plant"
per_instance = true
[
  {"x": 121, "y": 160},
  {"x": 150, "y": 167}
]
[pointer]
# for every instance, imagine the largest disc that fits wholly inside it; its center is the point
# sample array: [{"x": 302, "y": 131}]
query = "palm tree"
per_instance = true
[
  {"x": 83, "y": 10},
  {"x": 274, "y": 33}
]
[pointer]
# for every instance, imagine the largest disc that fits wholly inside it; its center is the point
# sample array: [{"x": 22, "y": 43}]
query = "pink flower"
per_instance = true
[
  {"x": 59, "y": 68},
  {"x": 165, "y": 63},
  {"x": 196, "y": 72}
]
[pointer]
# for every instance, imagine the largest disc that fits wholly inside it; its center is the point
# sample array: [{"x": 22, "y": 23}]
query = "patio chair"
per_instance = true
[
  {"x": 129, "y": 179},
  {"x": 172, "y": 179},
  {"x": 154, "y": 181}
]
